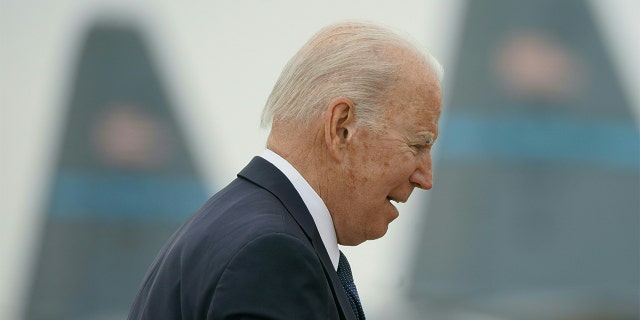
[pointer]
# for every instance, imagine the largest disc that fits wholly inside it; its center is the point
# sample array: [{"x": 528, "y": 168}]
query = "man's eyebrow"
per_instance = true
[
  {"x": 426, "y": 135},
  {"x": 423, "y": 137}
]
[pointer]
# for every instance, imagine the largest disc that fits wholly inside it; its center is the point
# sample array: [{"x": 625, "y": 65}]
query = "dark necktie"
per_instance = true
[{"x": 346, "y": 278}]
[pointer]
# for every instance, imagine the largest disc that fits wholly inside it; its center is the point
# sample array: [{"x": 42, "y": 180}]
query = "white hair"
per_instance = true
[{"x": 348, "y": 59}]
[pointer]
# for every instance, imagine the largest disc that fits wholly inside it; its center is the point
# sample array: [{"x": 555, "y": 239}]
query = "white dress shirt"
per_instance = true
[{"x": 317, "y": 208}]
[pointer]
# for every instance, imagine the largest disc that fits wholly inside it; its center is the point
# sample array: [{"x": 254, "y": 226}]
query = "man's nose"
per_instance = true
[{"x": 422, "y": 177}]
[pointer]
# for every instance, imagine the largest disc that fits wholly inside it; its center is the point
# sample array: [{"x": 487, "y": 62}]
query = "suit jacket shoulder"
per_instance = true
[{"x": 251, "y": 251}]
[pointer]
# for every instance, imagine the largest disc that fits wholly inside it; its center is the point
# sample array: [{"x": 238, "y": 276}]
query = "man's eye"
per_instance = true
[
  {"x": 423, "y": 145},
  {"x": 419, "y": 147}
]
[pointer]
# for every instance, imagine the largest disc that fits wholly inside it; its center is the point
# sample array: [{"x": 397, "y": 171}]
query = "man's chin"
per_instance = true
[
  {"x": 371, "y": 231},
  {"x": 378, "y": 233},
  {"x": 371, "y": 235}
]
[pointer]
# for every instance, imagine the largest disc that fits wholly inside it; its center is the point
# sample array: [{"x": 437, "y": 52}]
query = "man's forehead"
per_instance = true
[
  {"x": 417, "y": 119},
  {"x": 416, "y": 99}
]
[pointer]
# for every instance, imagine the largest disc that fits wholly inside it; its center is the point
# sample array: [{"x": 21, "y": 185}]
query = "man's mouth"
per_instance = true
[
  {"x": 398, "y": 198},
  {"x": 394, "y": 200}
]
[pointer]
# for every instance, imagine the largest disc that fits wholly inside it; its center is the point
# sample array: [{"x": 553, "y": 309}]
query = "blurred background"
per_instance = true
[{"x": 119, "y": 118}]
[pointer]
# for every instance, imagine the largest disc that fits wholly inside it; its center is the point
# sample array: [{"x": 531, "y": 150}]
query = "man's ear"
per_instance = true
[{"x": 339, "y": 126}]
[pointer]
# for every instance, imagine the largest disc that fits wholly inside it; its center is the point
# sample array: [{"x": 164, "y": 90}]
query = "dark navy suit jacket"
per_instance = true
[{"x": 252, "y": 251}]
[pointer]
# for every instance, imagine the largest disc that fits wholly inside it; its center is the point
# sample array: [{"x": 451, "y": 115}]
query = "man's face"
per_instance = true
[{"x": 384, "y": 168}]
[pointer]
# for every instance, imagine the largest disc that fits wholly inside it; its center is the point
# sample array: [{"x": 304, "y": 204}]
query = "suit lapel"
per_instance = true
[{"x": 264, "y": 174}]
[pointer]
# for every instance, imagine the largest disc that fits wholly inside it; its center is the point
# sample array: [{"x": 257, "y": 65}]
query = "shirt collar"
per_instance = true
[{"x": 315, "y": 205}]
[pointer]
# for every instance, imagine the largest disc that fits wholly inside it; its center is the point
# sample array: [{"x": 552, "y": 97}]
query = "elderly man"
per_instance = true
[{"x": 353, "y": 118}]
